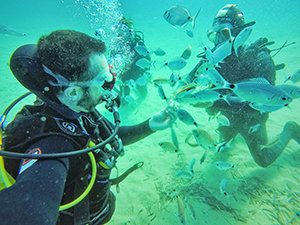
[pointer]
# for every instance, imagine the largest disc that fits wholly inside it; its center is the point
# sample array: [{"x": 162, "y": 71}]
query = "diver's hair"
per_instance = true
[{"x": 66, "y": 52}]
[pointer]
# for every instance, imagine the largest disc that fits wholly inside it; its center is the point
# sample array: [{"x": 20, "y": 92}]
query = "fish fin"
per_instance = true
[{"x": 194, "y": 18}]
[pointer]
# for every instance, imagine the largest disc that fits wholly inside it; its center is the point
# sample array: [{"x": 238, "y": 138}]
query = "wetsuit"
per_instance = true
[{"x": 42, "y": 186}]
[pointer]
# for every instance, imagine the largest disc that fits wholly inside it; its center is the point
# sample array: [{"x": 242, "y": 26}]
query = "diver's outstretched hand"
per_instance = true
[{"x": 164, "y": 119}]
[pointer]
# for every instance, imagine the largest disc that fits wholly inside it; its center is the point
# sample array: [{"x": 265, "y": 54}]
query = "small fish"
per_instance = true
[
  {"x": 168, "y": 146},
  {"x": 260, "y": 91},
  {"x": 254, "y": 128},
  {"x": 184, "y": 90},
  {"x": 216, "y": 78},
  {"x": 201, "y": 96},
  {"x": 176, "y": 63},
  {"x": 185, "y": 174},
  {"x": 179, "y": 16},
  {"x": 143, "y": 63},
  {"x": 223, "y": 120},
  {"x": 9, "y": 31},
  {"x": 173, "y": 79},
  {"x": 224, "y": 165},
  {"x": 161, "y": 93},
  {"x": 220, "y": 53},
  {"x": 223, "y": 187},
  {"x": 142, "y": 50},
  {"x": 192, "y": 163},
  {"x": 294, "y": 78},
  {"x": 185, "y": 117},
  {"x": 142, "y": 81},
  {"x": 241, "y": 38},
  {"x": 160, "y": 81},
  {"x": 291, "y": 90},
  {"x": 159, "y": 52},
  {"x": 265, "y": 108},
  {"x": 181, "y": 210},
  {"x": 174, "y": 138},
  {"x": 203, "y": 138},
  {"x": 223, "y": 145},
  {"x": 186, "y": 54},
  {"x": 189, "y": 33},
  {"x": 203, "y": 157}
]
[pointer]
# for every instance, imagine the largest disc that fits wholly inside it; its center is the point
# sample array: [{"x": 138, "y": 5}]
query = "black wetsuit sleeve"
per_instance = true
[
  {"x": 35, "y": 197},
  {"x": 132, "y": 134}
]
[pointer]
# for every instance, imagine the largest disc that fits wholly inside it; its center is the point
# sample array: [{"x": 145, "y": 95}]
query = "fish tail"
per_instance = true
[{"x": 194, "y": 18}]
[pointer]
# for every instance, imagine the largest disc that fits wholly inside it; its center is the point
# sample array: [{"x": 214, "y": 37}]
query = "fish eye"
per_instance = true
[{"x": 284, "y": 98}]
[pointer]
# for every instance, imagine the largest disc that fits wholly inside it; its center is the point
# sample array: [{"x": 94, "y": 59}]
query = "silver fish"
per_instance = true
[
  {"x": 220, "y": 53},
  {"x": 161, "y": 92},
  {"x": 186, "y": 54},
  {"x": 181, "y": 210},
  {"x": 259, "y": 91},
  {"x": 254, "y": 128},
  {"x": 224, "y": 165},
  {"x": 265, "y": 108},
  {"x": 179, "y": 16},
  {"x": 216, "y": 78},
  {"x": 200, "y": 96},
  {"x": 143, "y": 63},
  {"x": 176, "y": 63},
  {"x": 203, "y": 139},
  {"x": 185, "y": 117},
  {"x": 9, "y": 31},
  {"x": 294, "y": 78},
  {"x": 142, "y": 50},
  {"x": 192, "y": 163},
  {"x": 222, "y": 120},
  {"x": 159, "y": 52},
  {"x": 168, "y": 146},
  {"x": 223, "y": 187},
  {"x": 241, "y": 38},
  {"x": 173, "y": 79},
  {"x": 291, "y": 90},
  {"x": 189, "y": 33},
  {"x": 174, "y": 138}
]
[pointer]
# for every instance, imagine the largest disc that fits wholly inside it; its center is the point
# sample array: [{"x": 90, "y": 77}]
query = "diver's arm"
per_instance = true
[
  {"x": 132, "y": 134},
  {"x": 36, "y": 195}
]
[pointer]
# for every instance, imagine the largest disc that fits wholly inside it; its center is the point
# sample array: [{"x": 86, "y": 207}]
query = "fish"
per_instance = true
[
  {"x": 143, "y": 63},
  {"x": 223, "y": 187},
  {"x": 201, "y": 96},
  {"x": 222, "y": 120},
  {"x": 186, "y": 54},
  {"x": 185, "y": 117},
  {"x": 292, "y": 90},
  {"x": 9, "y": 31},
  {"x": 174, "y": 138},
  {"x": 189, "y": 33},
  {"x": 184, "y": 90},
  {"x": 254, "y": 129},
  {"x": 192, "y": 163},
  {"x": 161, "y": 93},
  {"x": 294, "y": 78},
  {"x": 203, "y": 138},
  {"x": 129, "y": 99},
  {"x": 176, "y": 63},
  {"x": 265, "y": 108},
  {"x": 216, "y": 78},
  {"x": 142, "y": 81},
  {"x": 173, "y": 79},
  {"x": 260, "y": 91},
  {"x": 181, "y": 210},
  {"x": 179, "y": 16},
  {"x": 220, "y": 53},
  {"x": 159, "y": 52},
  {"x": 241, "y": 38},
  {"x": 223, "y": 145},
  {"x": 224, "y": 165},
  {"x": 142, "y": 50},
  {"x": 160, "y": 81},
  {"x": 203, "y": 157},
  {"x": 168, "y": 146},
  {"x": 185, "y": 174}
]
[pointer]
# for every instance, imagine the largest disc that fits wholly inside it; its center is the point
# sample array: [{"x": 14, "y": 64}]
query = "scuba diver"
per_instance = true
[
  {"x": 134, "y": 78},
  {"x": 246, "y": 62},
  {"x": 61, "y": 150}
]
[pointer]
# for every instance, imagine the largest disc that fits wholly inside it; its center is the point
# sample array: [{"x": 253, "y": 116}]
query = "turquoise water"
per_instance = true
[{"x": 257, "y": 195}]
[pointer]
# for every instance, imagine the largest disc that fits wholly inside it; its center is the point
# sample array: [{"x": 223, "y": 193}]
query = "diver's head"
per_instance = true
[
  {"x": 229, "y": 22},
  {"x": 76, "y": 67}
]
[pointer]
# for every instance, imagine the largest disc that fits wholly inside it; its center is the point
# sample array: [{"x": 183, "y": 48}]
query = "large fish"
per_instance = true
[
  {"x": 260, "y": 91},
  {"x": 179, "y": 16}
]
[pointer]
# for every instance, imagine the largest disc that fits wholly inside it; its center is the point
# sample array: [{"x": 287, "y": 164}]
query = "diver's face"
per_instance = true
[{"x": 84, "y": 96}]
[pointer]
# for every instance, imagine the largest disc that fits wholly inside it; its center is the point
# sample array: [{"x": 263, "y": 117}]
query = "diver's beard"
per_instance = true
[{"x": 89, "y": 104}]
